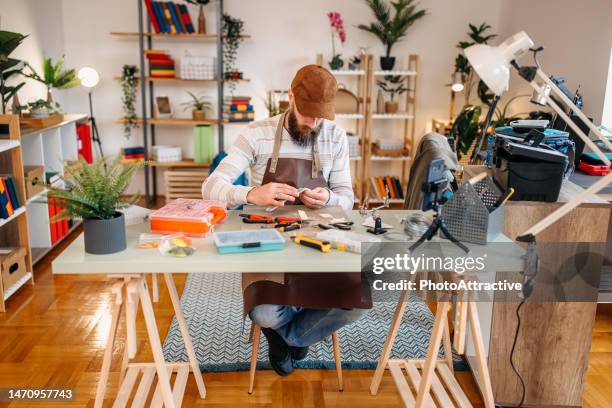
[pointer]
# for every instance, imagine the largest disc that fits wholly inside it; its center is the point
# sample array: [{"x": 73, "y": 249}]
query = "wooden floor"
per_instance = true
[{"x": 53, "y": 336}]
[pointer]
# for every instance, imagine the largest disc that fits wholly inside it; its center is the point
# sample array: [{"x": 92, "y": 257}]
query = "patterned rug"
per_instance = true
[{"x": 212, "y": 304}]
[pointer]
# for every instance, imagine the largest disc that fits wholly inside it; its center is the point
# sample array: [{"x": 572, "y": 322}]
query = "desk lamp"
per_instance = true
[
  {"x": 89, "y": 79},
  {"x": 492, "y": 64}
]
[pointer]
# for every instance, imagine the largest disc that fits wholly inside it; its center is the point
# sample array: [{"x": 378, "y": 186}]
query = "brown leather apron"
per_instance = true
[{"x": 309, "y": 290}]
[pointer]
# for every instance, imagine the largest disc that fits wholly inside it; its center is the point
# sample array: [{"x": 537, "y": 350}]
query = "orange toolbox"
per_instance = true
[{"x": 192, "y": 217}]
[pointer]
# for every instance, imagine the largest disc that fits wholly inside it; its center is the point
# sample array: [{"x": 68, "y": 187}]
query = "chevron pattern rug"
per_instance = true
[{"x": 212, "y": 305}]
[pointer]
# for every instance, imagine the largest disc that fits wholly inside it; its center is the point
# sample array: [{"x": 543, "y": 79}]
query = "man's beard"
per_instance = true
[{"x": 301, "y": 135}]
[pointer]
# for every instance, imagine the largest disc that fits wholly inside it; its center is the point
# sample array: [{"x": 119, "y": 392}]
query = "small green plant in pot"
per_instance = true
[
  {"x": 96, "y": 195},
  {"x": 54, "y": 76},
  {"x": 198, "y": 105},
  {"x": 393, "y": 85},
  {"x": 391, "y": 29}
]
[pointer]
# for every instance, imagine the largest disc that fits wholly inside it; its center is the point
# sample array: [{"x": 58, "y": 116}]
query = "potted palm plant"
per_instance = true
[
  {"x": 198, "y": 105},
  {"x": 391, "y": 29},
  {"x": 96, "y": 195},
  {"x": 393, "y": 85},
  {"x": 9, "y": 67},
  {"x": 55, "y": 76}
]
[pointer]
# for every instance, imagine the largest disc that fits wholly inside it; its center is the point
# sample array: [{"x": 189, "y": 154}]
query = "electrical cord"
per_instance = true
[{"x": 516, "y": 371}]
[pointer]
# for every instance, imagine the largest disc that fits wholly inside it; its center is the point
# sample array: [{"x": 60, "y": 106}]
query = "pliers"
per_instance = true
[
  {"x": 344, "y": 226},
  {"x": 256, "y": 219}
]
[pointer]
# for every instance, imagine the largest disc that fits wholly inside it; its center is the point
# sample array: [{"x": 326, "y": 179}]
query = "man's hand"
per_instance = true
[
  {"x": 272, "y": 194},
  {"x": 315, "y": 198}
]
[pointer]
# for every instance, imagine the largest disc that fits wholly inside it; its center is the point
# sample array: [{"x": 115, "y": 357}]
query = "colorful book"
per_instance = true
[
  {"x": 179, "y": 18},
  {"x": 9, "y": 206},
  {"x": 398, "y": 187},
  {"x": 240, "y": 115},
  {"x": 169, "y": 17},
  {"x": 52, "y": 224},
  {"x": 152, "y": 16},
  {"x": 162, "y": 73},
  {"x": 167, "y": 62},
  {"x": 391, "y": 188},
  {"x": 13, "y": 195},
  {"x": 197, "y": 145},
  {"x": 174, "y": 17},
  {"x": 240, "y": 108},
  {"x": 186, "y": 18},
  {"x": 161, "y": 17}
]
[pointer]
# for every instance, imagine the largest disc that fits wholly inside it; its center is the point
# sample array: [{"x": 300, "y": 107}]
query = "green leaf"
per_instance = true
[{"x": 8, "y": 42}]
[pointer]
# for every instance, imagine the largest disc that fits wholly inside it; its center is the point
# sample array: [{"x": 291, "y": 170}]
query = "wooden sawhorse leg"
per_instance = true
[
  {"x": 136, "y": 292},
  {"x": 435, "y": 375}
]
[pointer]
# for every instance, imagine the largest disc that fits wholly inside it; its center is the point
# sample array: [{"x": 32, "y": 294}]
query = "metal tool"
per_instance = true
[{"x": 344, "y": 226}]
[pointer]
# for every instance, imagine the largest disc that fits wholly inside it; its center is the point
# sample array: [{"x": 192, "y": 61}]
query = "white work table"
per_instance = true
[{"x": 128, "y": 271}]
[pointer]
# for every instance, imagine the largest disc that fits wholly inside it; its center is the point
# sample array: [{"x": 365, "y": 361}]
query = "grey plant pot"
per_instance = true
[{"x": 105, "y": 236}]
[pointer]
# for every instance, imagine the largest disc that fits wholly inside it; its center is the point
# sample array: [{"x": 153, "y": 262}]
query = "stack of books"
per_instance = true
[
  {"x": 238, "y": 109},
  {"x": 9, "y": 199},
  {"x": 57, "y": 228},
  {"x": 161, "y": 65},
  {"x": 380, "y": 184},
  {"x": 132, "y": 154},
  {"x": 169, "y": 17}
]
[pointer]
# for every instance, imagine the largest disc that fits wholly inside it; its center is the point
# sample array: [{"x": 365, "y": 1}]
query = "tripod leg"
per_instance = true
[
  {"x": 428, "y": 235},
  {"x": 451, "y": 238}
]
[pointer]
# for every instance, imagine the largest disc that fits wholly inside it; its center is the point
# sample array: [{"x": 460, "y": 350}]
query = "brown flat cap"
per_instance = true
[{"x": 314, "y": 89}]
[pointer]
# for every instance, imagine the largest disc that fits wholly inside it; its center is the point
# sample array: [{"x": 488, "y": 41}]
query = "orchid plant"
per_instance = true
[{"x": 337, "y": 29}]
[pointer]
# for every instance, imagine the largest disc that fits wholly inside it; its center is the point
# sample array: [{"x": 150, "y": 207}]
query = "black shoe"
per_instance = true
[
  {"x": 298, "y": 353},
  {"x": 278, "y": 353}
]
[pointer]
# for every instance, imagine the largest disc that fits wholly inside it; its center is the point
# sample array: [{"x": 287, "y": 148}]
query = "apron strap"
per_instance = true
[
  {"x": 277, "y": 142},
  {"x": 316, "y": 164}
]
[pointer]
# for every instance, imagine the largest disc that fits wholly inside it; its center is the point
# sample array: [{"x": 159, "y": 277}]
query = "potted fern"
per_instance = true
[
  {"x": 96, "y": 195},
  {"x": 198, "y": 105},
  {"x": 391, "y": 30}
]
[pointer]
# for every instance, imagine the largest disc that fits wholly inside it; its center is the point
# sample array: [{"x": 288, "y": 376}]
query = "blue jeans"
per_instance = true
[{"x": 302, "y": 327}]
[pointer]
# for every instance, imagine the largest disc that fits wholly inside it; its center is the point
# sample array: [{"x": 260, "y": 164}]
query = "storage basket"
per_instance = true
[
  {"x": 196, "y": 67},
  {"x": 346, "y": 101},
  {"x": 166, "y": 154},
  {"x": 353, "y": 145},
  {"x": 467, "y": 217},
  {"x": 394, "y": 152}
]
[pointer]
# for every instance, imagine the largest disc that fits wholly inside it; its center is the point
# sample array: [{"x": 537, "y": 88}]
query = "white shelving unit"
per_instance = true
[{"x": 51, "y": 148}]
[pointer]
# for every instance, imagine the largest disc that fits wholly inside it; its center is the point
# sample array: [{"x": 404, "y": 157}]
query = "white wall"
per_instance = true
[
  {"x": 285, "y": 36},
  {"x": 42, "y": 20},
  {"x": 577, "y": 37}
]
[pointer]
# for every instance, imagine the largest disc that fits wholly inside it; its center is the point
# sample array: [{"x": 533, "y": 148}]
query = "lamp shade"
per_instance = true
[
  {"x": 89, "y": 77},
  {"x": 492, "y": 64}
]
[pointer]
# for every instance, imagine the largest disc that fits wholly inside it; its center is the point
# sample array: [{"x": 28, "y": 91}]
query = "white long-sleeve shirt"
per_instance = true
[{"x": 254, "y": 147}]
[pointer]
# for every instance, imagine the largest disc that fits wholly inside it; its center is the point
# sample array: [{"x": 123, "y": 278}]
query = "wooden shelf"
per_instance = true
[
  {"x": 182, "y": 163},
  {"x": 15, "y": 287},
  {"x": 39, "y": 253},
  {"x": 174, "y": 122},
  {"x": 68, "y": 118},
  {"x": 348, "y": 72},
  {"x": 392, "y": 116},
  {"x": 349, "y": 116},
  {"x": 181, "y": 80},
  {"x": 170, "y": 35},
  {"x": 396, "y": 72},
  {"x": 6, "y": 145},
  {"x": 389, "y": 158},
  {"x": 16, "y": 214}
]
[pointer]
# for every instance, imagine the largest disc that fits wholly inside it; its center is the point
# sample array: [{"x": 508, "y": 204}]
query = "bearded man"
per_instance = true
[{"x": 298, "y": 157}]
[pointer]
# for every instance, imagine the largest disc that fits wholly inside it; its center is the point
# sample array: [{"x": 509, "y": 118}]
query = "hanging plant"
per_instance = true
[
  {"x": 232, "y": 37},
  {"x": 128, "y": 98}
]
